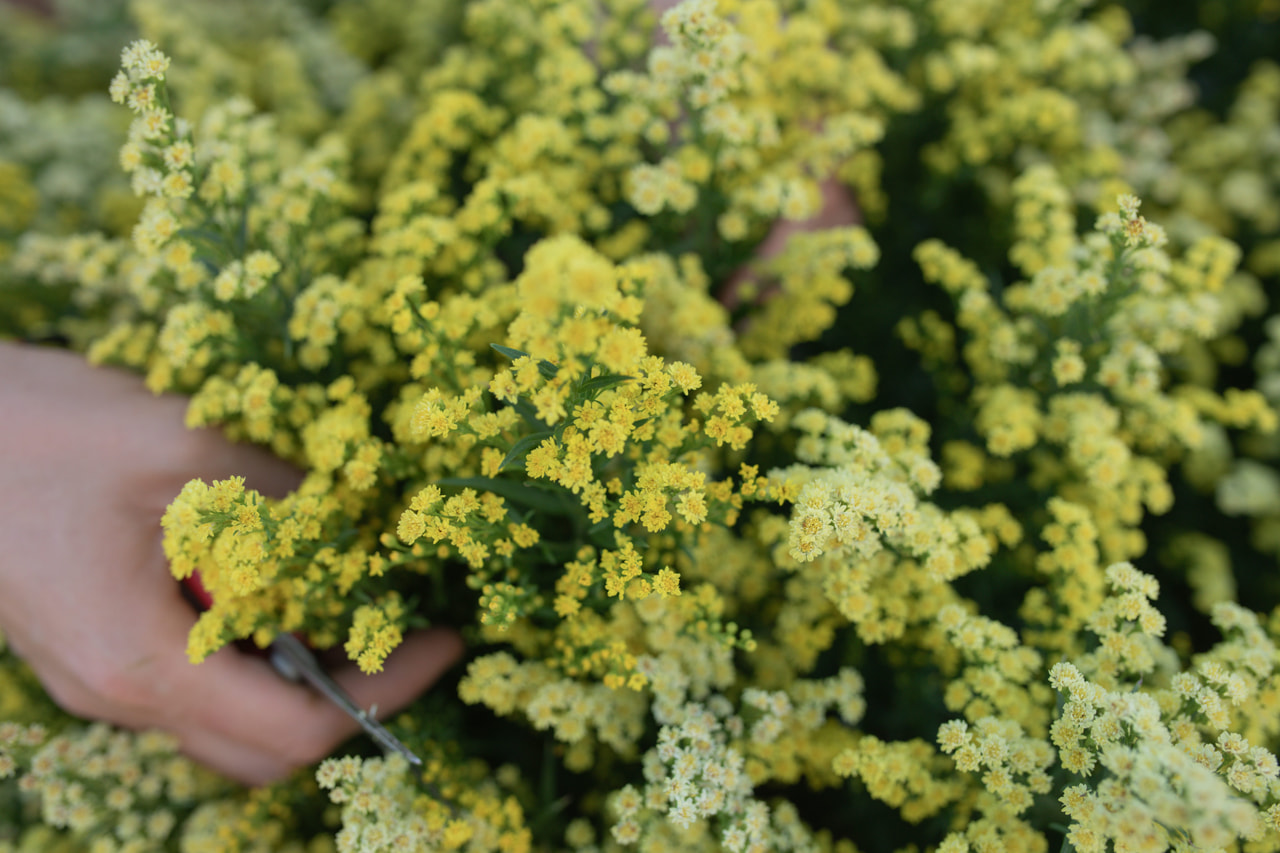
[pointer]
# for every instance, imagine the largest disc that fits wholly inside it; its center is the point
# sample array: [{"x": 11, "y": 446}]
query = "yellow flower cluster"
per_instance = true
[
  {"x": 858, "y": 516},
  {"x": 709, "y": 756},
  {"x": 903, "y": 774},
  {"x": 128, "y": 792},
  {"x": 733, "y": 114},
  {"x": 190, "y": 254},
  {"x": 383, "y": 809},
  {"x": 256, "y": 561},
  {"x": 1126, "y": 625},
  {"x": 375, "y": 631},
  {"x": 1014, "y": 767},
  {"x": 581, "y": 715},
  {"x": 1074, "y": 358},
  {"x": 1156, "y": 791},
  {"x": 1000, "y": 674}
]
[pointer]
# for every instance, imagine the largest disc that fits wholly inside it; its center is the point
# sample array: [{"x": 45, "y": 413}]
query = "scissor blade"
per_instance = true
[{"x": 294, "y": 661}]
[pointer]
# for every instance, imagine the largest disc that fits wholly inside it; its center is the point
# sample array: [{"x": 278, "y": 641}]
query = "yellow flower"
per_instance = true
[{"x": 666, "y": 583}]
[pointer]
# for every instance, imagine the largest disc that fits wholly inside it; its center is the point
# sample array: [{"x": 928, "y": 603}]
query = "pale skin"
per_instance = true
[{"x": 88, "y": 461}]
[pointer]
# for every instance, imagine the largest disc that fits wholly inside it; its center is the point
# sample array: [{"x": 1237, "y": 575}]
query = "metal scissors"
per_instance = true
[{"x": 292, "y": 659}]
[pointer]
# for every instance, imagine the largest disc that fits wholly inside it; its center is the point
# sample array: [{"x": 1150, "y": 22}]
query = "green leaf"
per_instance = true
[
  {"x": 523, "y": 446},
  {"x": 510, "y": 353},
  {"x": 546, "y": 368},
  {"x": 526, "y": 410},
  {"x": 211, "y": 248},
  {"x": 551, "y": 501},
  {"x": 207, "y": 242},
  {"x": 599, "y": 383},
  {"x": 203, "y": 235}
]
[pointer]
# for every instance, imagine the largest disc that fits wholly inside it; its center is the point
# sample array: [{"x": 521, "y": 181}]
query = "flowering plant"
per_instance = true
[{"x": 850, "y": 545}]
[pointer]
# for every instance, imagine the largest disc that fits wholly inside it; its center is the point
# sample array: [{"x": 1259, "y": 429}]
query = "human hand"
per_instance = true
[
  {"x": 39, "y": 7},
  {"x": 838, "y": 207},
  {"x": 88, "y": 461}
]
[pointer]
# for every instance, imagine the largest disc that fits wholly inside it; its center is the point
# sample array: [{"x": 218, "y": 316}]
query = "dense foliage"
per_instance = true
[{"x": 956, "y": 528}]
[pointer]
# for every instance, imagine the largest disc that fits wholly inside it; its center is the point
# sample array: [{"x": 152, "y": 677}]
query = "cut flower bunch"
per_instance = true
[{"x": 954, "y": 529}]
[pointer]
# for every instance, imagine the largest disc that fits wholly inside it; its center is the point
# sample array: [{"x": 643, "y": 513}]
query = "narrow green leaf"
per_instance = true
[
  {"x": 509, "y": 352},
  {"x": 546, "y": 368},
  {"x": 600, "y": 383},
  {"x": 526, "y": 410},
  {"x": 206, "y": 235},
  {"x": 523, "y": 446},
  {"x": 602, "y": 526},
  {"x": 553, "y": 502}
]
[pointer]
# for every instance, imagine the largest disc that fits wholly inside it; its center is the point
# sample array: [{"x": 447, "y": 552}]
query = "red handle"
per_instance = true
[
  {"x": 193, "y": 586},
  {"x": 194, "y": 591}
]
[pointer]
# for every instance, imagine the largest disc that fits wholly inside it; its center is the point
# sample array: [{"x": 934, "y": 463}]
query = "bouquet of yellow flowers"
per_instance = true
[{"x": 954, "y": 529}]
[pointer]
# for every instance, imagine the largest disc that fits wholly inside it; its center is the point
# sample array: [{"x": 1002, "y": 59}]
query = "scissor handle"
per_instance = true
[{"x": 193, "y": 590}]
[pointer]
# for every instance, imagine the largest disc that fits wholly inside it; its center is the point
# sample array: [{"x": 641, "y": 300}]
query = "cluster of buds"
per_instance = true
[{"x": 159, "y": 155}]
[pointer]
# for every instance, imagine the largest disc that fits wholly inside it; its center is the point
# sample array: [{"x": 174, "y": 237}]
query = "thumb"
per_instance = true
[
  {"x": 416, "y": 664},
  {"x": 262, "y": 470},
  {"x": 837, "y": 208},
  {"x": 279, "y": 726}
]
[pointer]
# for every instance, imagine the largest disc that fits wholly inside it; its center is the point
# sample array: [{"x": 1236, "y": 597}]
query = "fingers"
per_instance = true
[
  {"x": 248, "y": 765},
  {"x": 236, "y": 715},
  {"x": 416, "y": 664},
  {"x": 234, "y": 712},
  {"x": 261, "y": 469},
  {"x": 838, "y": 208},
  {"x": 206, "y": 454},
  {"x": 97, "y": 615},
  {"x": 240, "y": 699}
]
